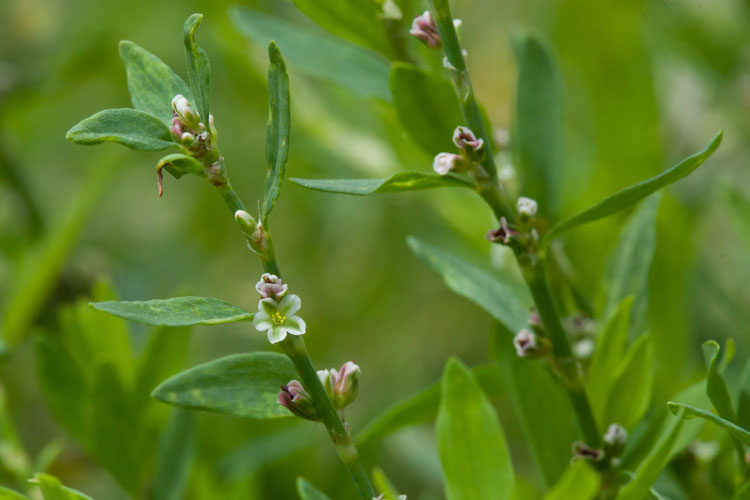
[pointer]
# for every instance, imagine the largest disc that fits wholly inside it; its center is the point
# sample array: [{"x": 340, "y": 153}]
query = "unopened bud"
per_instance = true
[
  {"x": 187, "y": 138},
  {"x": 271, "y": 286},
  {"x": 448, "y": 162},
  {"x": 424, "y": 29},
  {"x": 526, "y": 208},
  {"x": 530, "y": 345},
  {"x": 342, "y": 385},
  {"x": 614, "y": 440},
  {"x": 185, "y": 111},
  {"x": 582, "y": 451},
  {"x": 503, "y": 234},
  {"x": 294, "y": 397},
  {"x": 467, "y": 142},
  {"x": 247, "y": 222},
  {"x": 535, "y": 321}
]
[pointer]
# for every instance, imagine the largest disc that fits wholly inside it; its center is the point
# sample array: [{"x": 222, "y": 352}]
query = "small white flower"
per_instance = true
[{"x": 278, "y": 318}]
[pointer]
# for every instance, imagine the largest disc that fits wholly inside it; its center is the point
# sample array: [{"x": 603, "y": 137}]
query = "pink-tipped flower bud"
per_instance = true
[
  {"x": 530, "y": 345},
  {"x": 468, "y": 143},
  {"x": 271, "y": 286},
  {"x": 294, "y": 397},
  {"x": 176, "y": 127},
  {"x": 526, "y": 209},
  {"x": 503, "y": 234},
  {"x": 341, "y": 385},
  {"x": 185, "y": 112},
  {"x": 424, "y": 29},
  {"x": 535, "y": 321},
  {"x": 448, "y": 162}
]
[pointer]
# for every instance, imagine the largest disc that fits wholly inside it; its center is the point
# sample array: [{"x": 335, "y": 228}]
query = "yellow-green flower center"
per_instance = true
[{"x": 278, "y": 318}]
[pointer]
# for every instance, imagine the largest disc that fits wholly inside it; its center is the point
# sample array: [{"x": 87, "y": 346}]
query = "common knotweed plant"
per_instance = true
[{"x": 555, "y": 363}]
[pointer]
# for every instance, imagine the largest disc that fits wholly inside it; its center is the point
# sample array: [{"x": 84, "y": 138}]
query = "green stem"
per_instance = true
[
  {"x": 294, "y": 347},
  {"x": 534, "y": 274},
  {"x": 491, "y": 191}
]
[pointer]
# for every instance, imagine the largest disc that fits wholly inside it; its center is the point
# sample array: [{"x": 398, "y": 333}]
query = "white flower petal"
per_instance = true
[
  {"x": 289, "y": 305},
  {"x": 276, "y": 334},
  {"x": 295, "y": 325},
  {"x": 269, "y": 306},
  {"x": 262, "y": 321}
]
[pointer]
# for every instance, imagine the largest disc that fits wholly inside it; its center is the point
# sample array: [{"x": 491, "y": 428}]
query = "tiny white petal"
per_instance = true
[
  {"x": 295, "y": 325},
  {"x": 268, "y": 305},
  {"x": 289, "y": 305},
  {"x": 262, "y": 321},
  {"x": 276, "y": 334}
]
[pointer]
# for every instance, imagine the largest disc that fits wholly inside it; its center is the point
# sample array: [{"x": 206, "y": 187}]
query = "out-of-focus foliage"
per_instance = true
[{"x": 643, "y": 85}]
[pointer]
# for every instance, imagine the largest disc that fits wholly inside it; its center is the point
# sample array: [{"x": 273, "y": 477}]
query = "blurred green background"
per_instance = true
[{"x": 645, "y": 84}]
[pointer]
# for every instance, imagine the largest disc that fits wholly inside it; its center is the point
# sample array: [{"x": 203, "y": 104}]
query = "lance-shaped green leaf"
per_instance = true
[
  {"x": 361, "y": 70},
  {"x": 538, "y": 138},
  {"x": 477, "y": 285},
  {"x": 243, "y": 385},
  {"x": 8, "y": 494},
  {"x": 277, "y": 129},
  {"x": 426, "y": 106},
  {"x": 629, "y": 266},
  {"x": 53, "y": 490},
  {"x": 403, "y": 181},
  {"x": 307, "y": 491},
  {"x": 653, "y": 464},
  {"x": 691, "y": 411},
  {"x": 524, "y": 380},
  {"x": 580, "y": 481},
  {"x": 470, "y": 441},
  {"x": 384, "y": 485},
  {"x": 177, "y": 311},
  {"x": 152, "y": 84},
  {"x": 198, "y": 67},
  {"x": 175, "y": 458},
  {"x": 716, "y": 386},
  {"x": 355, "y": 20},
  {"x": 610, "y": 348},
  {"x": 631, "y": 195},
  {"x": 630, "y": 394},
  {"x": 178, "y": 165},
  {"x": 132, "y": 128},
  {"x": 418, "y": 408}
]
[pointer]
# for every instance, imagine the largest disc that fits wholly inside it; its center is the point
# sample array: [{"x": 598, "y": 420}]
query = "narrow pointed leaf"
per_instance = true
[
  {"x": 198, "y": 67},
  {"x": 307, "y": 491},
  {"x": 475, "y": 284},
  {"x": 384, "y": 485},
  {"x": 243, "y": 385},
  {"x": 630, "y": 394},
  {"x": 403, "y": 181},
  {"x": 53, "y": 490},
  {"x": 135, "y": 129},
  {"x": 691, "y": 411},
  {"x": 152, "y": 84},
  {"x": 716, "y": 386},
  {"x": 580, "y": 481},
  {"x": 629, "y": 266},
  {"x": 633, "y": 194},
  {"x": 470, "y": 441},
  {"x": 610, "y": 349},
  {"x": 524, "y": 380},
  {"x": 177, "y": 311},
  {"x": 653, "y": 464},
  {"x": 426, "y": 106},
  {"x": 355, "y": 20},
  {"x": 277, "y": 129},
  {"x": 175, "y": 457},
  {"x": 538, "y": 138},
  {"x": 317, "y": 54}
]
